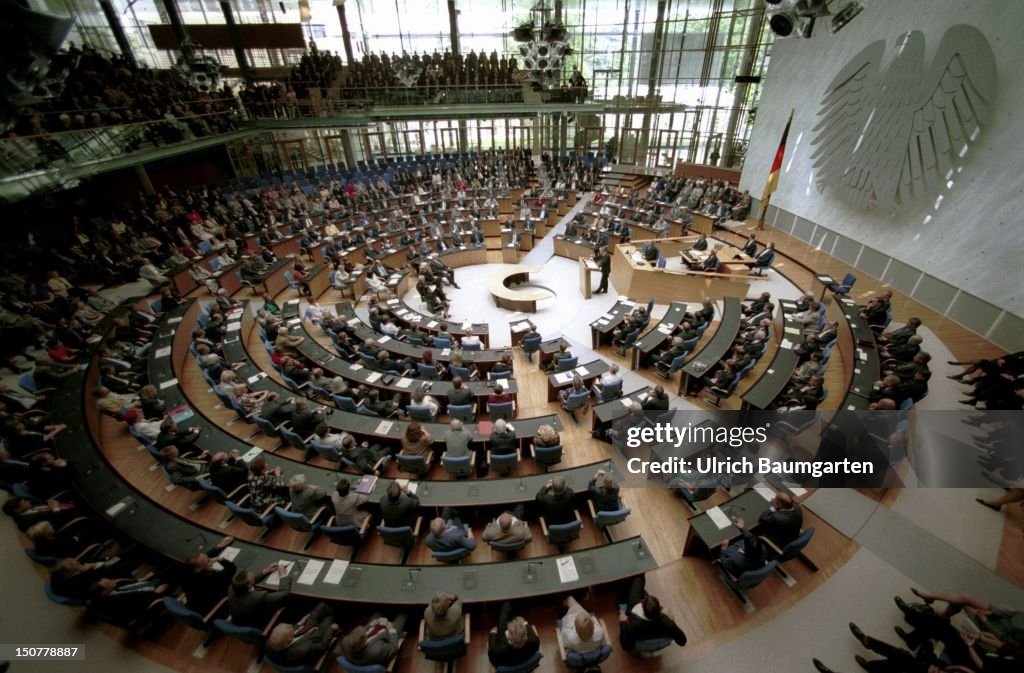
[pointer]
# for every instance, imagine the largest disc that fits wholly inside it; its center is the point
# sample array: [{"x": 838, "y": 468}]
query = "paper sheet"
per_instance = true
[
  {"x": 168, "y": 383},
  {"x": 233, "y": 327},
  {"x": 229, "y": 553},
  {"x": 372, "y": 378},
  {"x": 786, "y": 343},
  {"x": 251, "y": 454},
  {"x": 384, "y": 427},
  {"x": 719, "y": 518},
  {"x": 765, "y": 492},
  {"x": 567, "y": 570},
  {"x": 162, "y": 352},
  {"x": 336, "y": 571},
  {"x": 274, "y": 580},
  {"x": 256, "y": 377},
  {"x": 174, "y": 321},
  {"x": 292, "y": 301},
  {"x": 311, "y": 571},
  {"x": 383, "y": 339},
  {"x": 581, "y": 370},
  {"x": 403, "y": 383},
  {"x": 797, "y": 491}
]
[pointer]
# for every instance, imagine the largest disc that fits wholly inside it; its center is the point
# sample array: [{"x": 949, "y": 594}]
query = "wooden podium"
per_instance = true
[{"x": 587, "y": 266}]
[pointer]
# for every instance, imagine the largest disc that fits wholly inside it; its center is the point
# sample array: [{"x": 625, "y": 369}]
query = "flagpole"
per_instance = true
[{"x": 764, "y": 209}]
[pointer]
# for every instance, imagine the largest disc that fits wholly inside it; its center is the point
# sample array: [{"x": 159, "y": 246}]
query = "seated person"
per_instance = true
[
  {"x": 656, "y": 399},
  {"x": 645, "y": 619},
  {"x": 512, "y": 641},
  {"x": 741, "y": 556},
  {"x": 448, "y": 533},
  {"x": 562, "y": 353},
  {"x": 580, "y": 631},
  {"x": 499, "y": 396},
  {"x": 604, "y": 492},
  {"x": 303, "y": 643},
  {"x": 443, "y": 617},
  {"x": 546, "y": 436},
  {"x": 305, "y": 498},
  {"x": 375, "y": 643},
  {"x": 555, "y": 502},
  {"x": 609, "y": 378},
  {"x": 503, "y": 439},
  {"x": 508, "y": 528},
  {"x": 783, "y": 522},
  {"x": 577, "y": 387},
  {"x": 249, "y": 606}
]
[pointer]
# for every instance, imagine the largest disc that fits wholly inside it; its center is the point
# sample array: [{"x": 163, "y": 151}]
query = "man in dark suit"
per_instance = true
[
  {"x": 783, "y": 522},
  {"x": 644, "y": 618},
  {"x": 710, "y": 262},
  {"x": 701, "y": 244},
  {"x": 276, "y": 411},
  {"x": 656, "y": 399},
  {"x": 604, "y": 262},
  {"x": 204, "y": 580},
  {"x": 766, "y": 255},
  {"x": 253, "y": 607},
  {"x": 397, "y": 507},
  {"x": 653, "y": 253},
  {"x": 304, "y": 420},
  {"x": 555, "y": 502},
  {"x": 705, "y": 314},
  {"x": 460, "y": 393},
  {"x": 741, "y": 556},
  {"x": 303, "y": 643},
  {"x": 228, "y": 471},
  {"x": 750, "y": 248},
  {"x": 604, "y": 492}
]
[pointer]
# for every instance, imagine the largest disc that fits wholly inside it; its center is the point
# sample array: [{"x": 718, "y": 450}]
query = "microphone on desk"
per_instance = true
[
  {"x": 199, "y": 536},
  {"x": 531, "y": 576},
  {"x": 411, "y": 582}
]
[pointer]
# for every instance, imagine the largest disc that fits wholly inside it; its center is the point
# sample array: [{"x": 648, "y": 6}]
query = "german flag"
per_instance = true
[{"x": 773, "y": 175}]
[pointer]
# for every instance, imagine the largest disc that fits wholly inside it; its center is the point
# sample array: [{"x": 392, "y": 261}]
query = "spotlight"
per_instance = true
[
  {"x": 845, "y": 15},
  {"x": 523, "y": 32},
  {"x": 795, "y": 17}
]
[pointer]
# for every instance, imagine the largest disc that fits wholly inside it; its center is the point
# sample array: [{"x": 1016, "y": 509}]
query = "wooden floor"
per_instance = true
[{"x": 688, "y": 586}]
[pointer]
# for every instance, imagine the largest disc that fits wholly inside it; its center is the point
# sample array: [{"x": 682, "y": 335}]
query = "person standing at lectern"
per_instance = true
[{"x": 604, "y": 262}]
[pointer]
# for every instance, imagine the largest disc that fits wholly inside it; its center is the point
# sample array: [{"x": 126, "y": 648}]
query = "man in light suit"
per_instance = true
[{"x": 508, "y": 528}]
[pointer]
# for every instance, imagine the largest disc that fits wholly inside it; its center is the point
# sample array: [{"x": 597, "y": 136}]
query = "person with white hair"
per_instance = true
[
  {"x": 306, "y": 499},
  {"x": 580, "y": 631},
  {"x": 609, "y": 378}
]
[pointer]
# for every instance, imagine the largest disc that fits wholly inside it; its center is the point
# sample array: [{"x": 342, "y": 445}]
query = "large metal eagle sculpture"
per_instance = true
[{"x": 886, "y": 137}]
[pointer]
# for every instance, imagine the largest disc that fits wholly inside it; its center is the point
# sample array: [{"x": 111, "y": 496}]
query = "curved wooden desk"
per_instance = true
[{"x": 516, "y": 300}]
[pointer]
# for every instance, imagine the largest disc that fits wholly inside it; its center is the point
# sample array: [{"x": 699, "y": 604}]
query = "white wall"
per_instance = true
[{"x": 974, "y": 241}]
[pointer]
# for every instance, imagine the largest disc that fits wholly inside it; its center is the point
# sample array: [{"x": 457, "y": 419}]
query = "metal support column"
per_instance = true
[
  {"x": 754, "y": 27},
  {"x": 346, "y": 147},
  {"x": 143, "y": 177},
  {"x": 180, "y": 34},
  {"x": 236, "y": 41},
  {"x": 118, "y": 30},
  {"x": 652, "y": 80},
  {"x": 346, "y": 38}
]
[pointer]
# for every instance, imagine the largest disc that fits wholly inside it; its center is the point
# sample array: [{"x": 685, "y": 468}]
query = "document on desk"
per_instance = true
[
  {"x": 372, "y": 378},
  {"x": 174, "y": 321},
  {"x": 581, "y": 370},
  {"x": 235, "y": 326},
  {"x": 229, "y": 553},
  {"x": 383, "y": 339},
  {"x": 384, "y": 427},
  {"x": 606, "y": 316},
  {"x": 353, "y": 322},
  {"x": 797, "y": 491},
  {"x": 432, "y": 324},
  {"x": 403, "y": 383},
  {"x": 786, "y": 343},
  {"x": 162, "y": 352},
  {"x": 355, "y": 367},
  {"x": 251, "y": 454},
  {"x": 168, "y": 383},
  {"x": 274, "y": 580},
  {"x": 792, "y": 330},
  {"x": 567, "y": 570},
  {"x": 311, "y": 572},
  {"x": 765, "y": 492},
  {"x": 256, "y": 377},
  {"x": 336, "y": 571},
  {"x": 563, "y": 377},
  {"x": 719, "y": 518}
]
